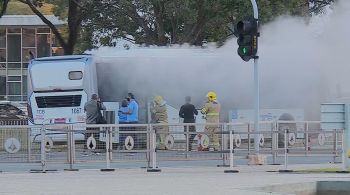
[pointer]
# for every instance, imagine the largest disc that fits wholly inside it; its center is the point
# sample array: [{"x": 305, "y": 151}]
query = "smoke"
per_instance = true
[{"x": 302, "y": 64}]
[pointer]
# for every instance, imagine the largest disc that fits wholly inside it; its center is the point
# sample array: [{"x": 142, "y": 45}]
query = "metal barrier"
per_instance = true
[
  {"x": 152, "y": 143},
  {"x": 16, "y": 145}
]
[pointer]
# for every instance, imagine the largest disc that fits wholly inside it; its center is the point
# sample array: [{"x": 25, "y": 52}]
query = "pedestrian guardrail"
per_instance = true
[{"x": 152, "y": 143}]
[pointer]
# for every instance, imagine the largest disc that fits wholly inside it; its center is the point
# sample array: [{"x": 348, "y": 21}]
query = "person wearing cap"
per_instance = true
[
  {"x": 160, "y": 115},
  {"x": 211, "y": 110}
]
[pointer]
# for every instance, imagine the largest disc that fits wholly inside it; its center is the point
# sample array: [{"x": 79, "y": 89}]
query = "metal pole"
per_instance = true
[
  {"x": 334, "y": 145},
  {"x": 231, "y": 170},
  {"x": 110, "y": 151},
  {"x": 274, "y": 143},
  {"x": 187, "y": 141},
  {"x": 231, "y": 150},
  {"x": 257, "y": 88},
  {"x": 29, "y": 145},
  {"x": 42, "y": 148},
  {"x": 257, "y": 105},
  {"x": 285, "y": 149},
  {"x": 343, "y": 153},
  {"x": 108, "y": 160},
  {"x": 154, "y": 154},
  {"x": 107, "y": 149},
  {"x": 249, "y": 138},
  {"x": 306, "y": 139}
]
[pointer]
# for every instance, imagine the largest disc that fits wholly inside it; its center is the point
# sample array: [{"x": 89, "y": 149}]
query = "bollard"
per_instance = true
[
  {"x": 154, "y": 167},
  {"x": 285, "y": 170},
  {"x": 231, "y": 170},
  {"x": 108, "y": 150}
]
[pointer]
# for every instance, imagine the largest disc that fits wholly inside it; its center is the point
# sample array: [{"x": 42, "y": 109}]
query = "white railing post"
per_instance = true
[
  {"x": 108, "y": 150},
  {"x": 231, "y": 170},
  {"x": 343, "y": 153},
  {"x": 43, "y": 149},
  {"x": 71, "y": 148},
  {"x": 153, "y": 152},
  {"x": 286, "y": 132}
]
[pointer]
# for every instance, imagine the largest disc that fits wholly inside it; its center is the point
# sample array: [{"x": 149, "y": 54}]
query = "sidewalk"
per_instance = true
[{"x": 170, "y": 181}]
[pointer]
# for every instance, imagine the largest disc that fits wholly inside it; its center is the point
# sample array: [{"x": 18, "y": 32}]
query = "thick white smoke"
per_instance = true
[{"x": 302, "y": 64}]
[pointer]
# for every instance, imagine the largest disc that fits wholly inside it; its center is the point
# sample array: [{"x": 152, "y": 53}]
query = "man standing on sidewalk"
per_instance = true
[{"x": 188, "y": 112}]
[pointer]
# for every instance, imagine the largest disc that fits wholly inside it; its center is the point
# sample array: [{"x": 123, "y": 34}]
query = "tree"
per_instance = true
[
  {"x": 75, "y": 11},
  {"x": 317, "y": 6},
  {"x": 162, "y": 22}
]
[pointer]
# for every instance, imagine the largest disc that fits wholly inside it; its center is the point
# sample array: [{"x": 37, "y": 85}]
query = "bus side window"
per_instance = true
[{"x": 75, "y": 75}]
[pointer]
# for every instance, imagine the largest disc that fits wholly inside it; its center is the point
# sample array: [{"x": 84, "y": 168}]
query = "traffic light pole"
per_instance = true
[{"x": 257, "y": 89}]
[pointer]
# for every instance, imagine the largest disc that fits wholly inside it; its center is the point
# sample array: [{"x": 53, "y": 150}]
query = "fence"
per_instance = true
[{"x": 153, "y": 143}]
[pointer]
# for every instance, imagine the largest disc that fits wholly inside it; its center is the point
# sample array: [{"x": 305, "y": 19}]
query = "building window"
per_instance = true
[
  {"x": 14, "y": 30},
  {"x": 14, "y": 88},
  {"x": 2, "y": 55},
  {"x": 15, "y": 72},
  {"x": 24, "y": 85},
  {"x": 14, "y": 48},
  {"x": 43, "y": 30},
  {"x": 14, "y": 65},
  {"x": 28, "y": 37},
  {"x": 2, "y": 85},
  {"x": 43, "y": 45},
  {"x": 14, "y": 78},
  {"x": 2, "y": 38}
]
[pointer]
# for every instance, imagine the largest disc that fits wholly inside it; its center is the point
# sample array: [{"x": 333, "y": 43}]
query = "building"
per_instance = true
[{"x": 23, "y": 37}]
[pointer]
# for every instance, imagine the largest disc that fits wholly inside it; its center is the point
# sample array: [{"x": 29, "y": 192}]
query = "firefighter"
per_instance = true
[
  {"x": 212, "y": 111},
  {"x": 160, "y": 115}
]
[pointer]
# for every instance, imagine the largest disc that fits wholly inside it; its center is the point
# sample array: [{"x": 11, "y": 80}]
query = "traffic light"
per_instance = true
[{"x": 247, "y": 33}]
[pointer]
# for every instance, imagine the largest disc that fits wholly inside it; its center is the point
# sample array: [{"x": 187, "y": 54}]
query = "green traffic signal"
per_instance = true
[
  {"x": 244, "y": 51},
  {"x": 247, "y": 33}
]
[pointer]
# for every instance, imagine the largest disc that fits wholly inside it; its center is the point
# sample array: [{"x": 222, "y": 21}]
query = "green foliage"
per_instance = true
[
  {"x": 160, "y": 22},
  {"x": 18, "y": 8}
]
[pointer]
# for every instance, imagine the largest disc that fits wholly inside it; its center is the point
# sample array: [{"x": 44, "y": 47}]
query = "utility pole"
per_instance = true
[
  {"x": 257, "y": 86},
  {"x": 247, "y": 33}
]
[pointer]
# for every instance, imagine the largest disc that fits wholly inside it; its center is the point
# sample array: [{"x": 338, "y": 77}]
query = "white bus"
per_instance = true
[{"x": 58, "y": 88}]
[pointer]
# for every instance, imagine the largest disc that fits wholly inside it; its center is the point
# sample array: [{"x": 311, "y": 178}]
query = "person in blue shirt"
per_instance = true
[
  {"x": 133, "y": 118},
  {"x": 133, "y": 112}
]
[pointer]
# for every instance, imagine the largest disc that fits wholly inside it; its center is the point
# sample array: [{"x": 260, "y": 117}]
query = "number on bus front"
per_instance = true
[
  {"x": 40, "y": 112},
  {"x": 76, "y": 110}
]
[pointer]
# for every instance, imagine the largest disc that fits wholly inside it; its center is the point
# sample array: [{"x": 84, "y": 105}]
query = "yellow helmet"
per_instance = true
[
  {"x": 158, "y": 100},
  {"x": 211, "y": 96}
]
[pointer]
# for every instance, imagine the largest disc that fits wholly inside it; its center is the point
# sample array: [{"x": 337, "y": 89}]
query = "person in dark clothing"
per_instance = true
[{"x": 188, "y": 112}]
